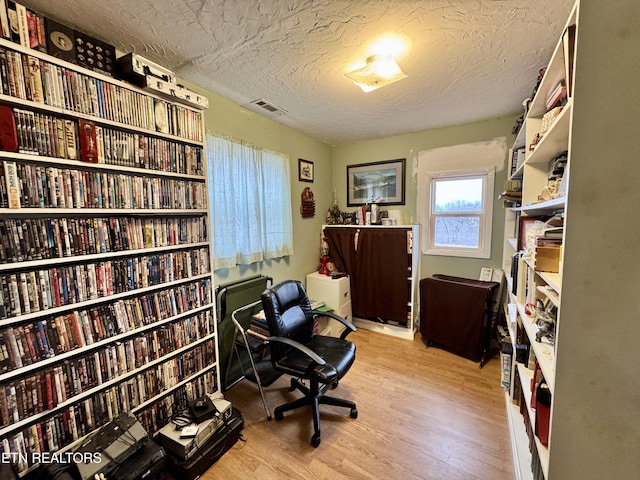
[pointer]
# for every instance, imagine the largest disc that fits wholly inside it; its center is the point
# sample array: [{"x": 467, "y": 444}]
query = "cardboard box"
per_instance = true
[{"x": 548, "y": 258}]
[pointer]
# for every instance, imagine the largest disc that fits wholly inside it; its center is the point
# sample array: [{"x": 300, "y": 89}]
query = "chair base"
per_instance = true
[{"x": 314, "y": 396}]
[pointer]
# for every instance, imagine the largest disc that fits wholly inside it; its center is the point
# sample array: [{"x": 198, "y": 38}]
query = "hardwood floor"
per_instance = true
[{"x": 423, "y": 413}]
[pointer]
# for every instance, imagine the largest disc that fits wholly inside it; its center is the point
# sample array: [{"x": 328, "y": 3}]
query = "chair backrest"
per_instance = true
[{"x": 288, "y": 312}]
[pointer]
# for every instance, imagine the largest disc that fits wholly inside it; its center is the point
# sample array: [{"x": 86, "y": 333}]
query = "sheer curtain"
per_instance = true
[{"x": 250, "y": 202}]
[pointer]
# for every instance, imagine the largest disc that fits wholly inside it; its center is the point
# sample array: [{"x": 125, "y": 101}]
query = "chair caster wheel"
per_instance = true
[
  {"x": 315, "y": 440},
  {"x": 269, "y": 418},
  {"x": 353, "y": 413},
  {"x": 278, "y": 415}
]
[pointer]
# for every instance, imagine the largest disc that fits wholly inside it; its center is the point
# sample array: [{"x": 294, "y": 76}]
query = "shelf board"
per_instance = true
[
  {"x": 66, "y": 163},
  {"x": 544, "y": 207},
  {"x": 519, "y": 441},
  {"x": 553, "y": 75},
  {"x": 520, "y": 140},
  {"x": 33, "y": 316},
  {"x": 543, "y": 452},
  {"x": 554, "y": 280},
  {"x": 544, "y": 350},
  {"x": 554, "y": 140},
  {"x": 550, "y": 294},
  {"x": 106, "y": 385},
  {"x": 97, "y": 256},
  {"x": 101, "y": 212},
  {"x": 60, "y": 357},
  {"x": 170, "y": 390}
]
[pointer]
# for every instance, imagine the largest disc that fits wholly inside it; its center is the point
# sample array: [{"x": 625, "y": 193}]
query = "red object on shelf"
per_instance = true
[
  {"x": 323, "y": 261},
  {"x": 543, "y": 413}
]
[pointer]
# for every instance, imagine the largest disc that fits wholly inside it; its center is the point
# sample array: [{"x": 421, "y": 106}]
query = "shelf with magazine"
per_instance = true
[{"x": 105, "y": 275}]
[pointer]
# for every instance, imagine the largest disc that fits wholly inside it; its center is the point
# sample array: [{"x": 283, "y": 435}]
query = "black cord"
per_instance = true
[{"x": 182, "y": 419}]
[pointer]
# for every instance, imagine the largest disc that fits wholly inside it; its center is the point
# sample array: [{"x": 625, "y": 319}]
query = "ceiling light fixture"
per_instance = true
[{"x": 378, "y": 72}]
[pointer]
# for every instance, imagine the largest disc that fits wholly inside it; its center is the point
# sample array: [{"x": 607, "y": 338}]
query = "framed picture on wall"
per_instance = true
[
  {"x": 305, "y": 170},
  {"x": 377, "y": 182}
]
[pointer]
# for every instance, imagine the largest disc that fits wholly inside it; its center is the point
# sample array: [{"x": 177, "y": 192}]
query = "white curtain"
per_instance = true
[{"x": 250, "y": 202}]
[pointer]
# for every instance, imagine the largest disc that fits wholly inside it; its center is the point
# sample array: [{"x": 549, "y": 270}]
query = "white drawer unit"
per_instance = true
[{"x": 336, "y": 294}]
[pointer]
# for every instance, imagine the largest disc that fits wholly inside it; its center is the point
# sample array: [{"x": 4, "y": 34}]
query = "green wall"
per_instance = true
[
  {"x": 408, "y": 146},
  {"x": 231, "y": 119},
  {"x": 330, "y": 173}
]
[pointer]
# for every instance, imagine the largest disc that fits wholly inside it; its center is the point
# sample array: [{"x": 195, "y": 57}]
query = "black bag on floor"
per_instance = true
[{"x": 148, "y": 463}]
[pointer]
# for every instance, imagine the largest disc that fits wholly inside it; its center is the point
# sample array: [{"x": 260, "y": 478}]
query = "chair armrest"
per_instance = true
[
  {"x": 242, "y": 309},
  {"x": 301, "y": 348},
  {"x": 350, "y": 327}
]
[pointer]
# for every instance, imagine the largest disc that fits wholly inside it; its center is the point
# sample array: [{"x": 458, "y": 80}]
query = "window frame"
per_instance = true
[{"x": 485, "y": 216}]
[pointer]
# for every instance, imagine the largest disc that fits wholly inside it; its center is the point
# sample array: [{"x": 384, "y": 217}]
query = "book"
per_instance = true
[
  {"x": 568, "y": 48},
  {"x": 13, "y": 184},
  {"x": 23, "y": 24},
  {"x": 4, "y": 20},
  {"x": 35, "y": 76},
  {"x": 12, "y": 17},
  {"x": 35, "y": 31},
  {"x": 557, "y": 96}
]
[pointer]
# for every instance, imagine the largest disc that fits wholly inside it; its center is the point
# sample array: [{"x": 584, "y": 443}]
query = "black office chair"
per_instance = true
[{"x": 296, "y": 351}]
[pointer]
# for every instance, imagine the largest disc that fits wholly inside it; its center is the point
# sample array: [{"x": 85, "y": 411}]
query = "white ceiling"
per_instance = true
[{"x": 470, "y": 59}]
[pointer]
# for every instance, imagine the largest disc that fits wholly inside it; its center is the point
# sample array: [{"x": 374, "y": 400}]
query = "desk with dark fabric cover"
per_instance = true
[{"x": 455, "y": 314}]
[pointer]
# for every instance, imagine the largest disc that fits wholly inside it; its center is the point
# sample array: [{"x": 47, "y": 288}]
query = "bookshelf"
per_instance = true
[
  {"x": 589, "y": 367},
  {"x": 106, "y": 298}
]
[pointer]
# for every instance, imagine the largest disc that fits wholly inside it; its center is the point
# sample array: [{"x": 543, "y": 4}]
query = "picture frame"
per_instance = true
[
  {"x": 382, "y": 183},
  {"x": 305, "y": 170}
]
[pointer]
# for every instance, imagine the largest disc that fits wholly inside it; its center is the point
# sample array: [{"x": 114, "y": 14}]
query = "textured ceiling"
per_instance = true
[{"x": 469, "y": 59}]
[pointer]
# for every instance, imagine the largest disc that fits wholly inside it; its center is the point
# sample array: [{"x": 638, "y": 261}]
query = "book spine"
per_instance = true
[
  {"x": 13, "y": 184},
  {"x": 23, "y": 24}
]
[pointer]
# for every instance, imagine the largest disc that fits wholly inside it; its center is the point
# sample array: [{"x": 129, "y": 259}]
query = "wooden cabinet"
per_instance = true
[
  {"x": 589, "y": 368},
  {"x": 383, "y": 272},
  {"x": 106, "y": 283}
]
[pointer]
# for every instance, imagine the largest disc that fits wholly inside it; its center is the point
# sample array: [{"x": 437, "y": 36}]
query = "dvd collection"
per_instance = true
[
  {"x": 30, "y": 78},
  {"x": 46, "y": 390},
  {"x": 106, "y": 300},
  {"x": 57, "y": 137},
  {"x": 73, "y": 423},
  {"x": 26, "y": 292},
  {"x": 52, "y": 187},
  {"x": 50, "y": 337},
  {"x": 48, "y": 238}
]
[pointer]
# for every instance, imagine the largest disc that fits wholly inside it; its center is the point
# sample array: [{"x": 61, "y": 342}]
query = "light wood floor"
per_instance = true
[{"x": 422, "y": 414}]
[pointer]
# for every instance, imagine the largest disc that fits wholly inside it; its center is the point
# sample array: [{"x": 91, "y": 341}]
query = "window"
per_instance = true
[
  {"x": 460, "y": 212},
  {"x": 250, "y": 202}
]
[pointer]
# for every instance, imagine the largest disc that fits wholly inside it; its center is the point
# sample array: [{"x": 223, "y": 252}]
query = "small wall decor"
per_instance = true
[
  {"x": 305, "y": 170},
  {"x": 379, "y": 182},
  {"x": 308, "y": 206}
]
